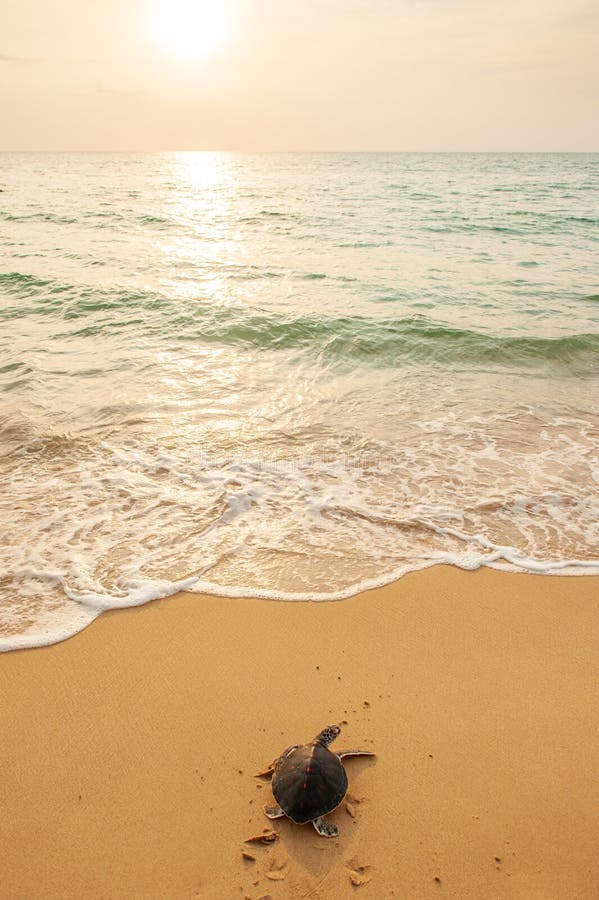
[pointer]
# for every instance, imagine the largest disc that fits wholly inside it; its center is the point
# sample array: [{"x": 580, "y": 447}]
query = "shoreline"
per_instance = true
[
  {"x": 21, "y": 640},
  {"x": 129, "y": 750}
]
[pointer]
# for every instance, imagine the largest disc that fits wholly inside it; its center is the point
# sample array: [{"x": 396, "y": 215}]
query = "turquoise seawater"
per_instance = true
[{"x": 291, "y": 375}]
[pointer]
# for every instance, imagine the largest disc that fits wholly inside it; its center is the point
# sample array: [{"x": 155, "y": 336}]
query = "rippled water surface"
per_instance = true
[{"x": 291, "y": 375}]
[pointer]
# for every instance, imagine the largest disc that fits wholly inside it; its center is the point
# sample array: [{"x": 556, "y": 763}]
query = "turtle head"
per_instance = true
[{"x": 328, "y": 735}]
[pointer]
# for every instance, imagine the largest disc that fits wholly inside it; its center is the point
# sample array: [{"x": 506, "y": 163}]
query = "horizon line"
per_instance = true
[{"x": 282, "y": 152}]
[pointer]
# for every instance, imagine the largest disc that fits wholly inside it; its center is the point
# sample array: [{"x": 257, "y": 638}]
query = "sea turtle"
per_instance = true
[{"x": 309, "y": 781}]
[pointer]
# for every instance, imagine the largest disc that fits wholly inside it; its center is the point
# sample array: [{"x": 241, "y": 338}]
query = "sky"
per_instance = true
[{"x": 299, "y": 75}]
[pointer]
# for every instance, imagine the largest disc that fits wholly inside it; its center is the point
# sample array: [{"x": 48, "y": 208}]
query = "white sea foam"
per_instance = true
[{"x": 116, "y": 528}]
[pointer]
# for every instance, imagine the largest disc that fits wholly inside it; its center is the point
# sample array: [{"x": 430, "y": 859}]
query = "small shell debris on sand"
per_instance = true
[
  {"x": 358, "y": 874},
  {"x": 267, "y": 837},
  {"x": 277, "y": 870},
  {"x": 351, "y": 804}
]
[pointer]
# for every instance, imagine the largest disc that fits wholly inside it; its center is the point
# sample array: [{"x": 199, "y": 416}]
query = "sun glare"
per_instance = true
[{"x": 187, "y": 30}]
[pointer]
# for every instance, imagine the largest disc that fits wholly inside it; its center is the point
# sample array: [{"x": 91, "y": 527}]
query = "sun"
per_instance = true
[{"x": 186, "y": 30}]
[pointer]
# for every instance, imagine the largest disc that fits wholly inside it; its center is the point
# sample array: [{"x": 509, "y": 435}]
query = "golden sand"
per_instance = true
[{"x": 128, "y": 752}]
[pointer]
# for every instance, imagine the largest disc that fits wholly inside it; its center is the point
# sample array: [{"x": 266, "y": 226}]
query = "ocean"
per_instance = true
[{"x": 292, "y": 376}]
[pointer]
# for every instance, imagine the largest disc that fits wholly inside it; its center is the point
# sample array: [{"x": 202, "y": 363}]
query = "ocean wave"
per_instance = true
[
  {"x": 69, "y": 301},
  {"x": 376, "y": 342},
  {"x": 101, "y": 215},
  {"x": 19, "y": 281},
  {"x": 39, "y": 217},
  {"x": 391, "y": 341},
  {"x": 154, "y": 220}
]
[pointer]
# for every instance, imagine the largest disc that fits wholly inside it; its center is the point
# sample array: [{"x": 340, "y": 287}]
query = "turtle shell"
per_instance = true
[{"x": 309, "y": 781}]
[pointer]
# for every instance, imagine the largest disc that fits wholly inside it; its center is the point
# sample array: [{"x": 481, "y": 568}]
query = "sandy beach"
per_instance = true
[{"x": 128, "y": 753}]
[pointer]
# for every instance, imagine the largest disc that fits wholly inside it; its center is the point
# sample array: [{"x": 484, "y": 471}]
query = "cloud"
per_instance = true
[
  {"x": 123, "y": 92},
  {"x": 4, "y": 57}
]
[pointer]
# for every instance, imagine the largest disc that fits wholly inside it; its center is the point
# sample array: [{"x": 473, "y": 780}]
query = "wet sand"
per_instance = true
[{"x": 128, "y": 752}]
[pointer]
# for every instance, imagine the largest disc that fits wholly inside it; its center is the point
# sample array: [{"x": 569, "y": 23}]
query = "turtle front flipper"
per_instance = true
[
  {"x": 267, "y": 772},
  {"x": 327, "y": 829},
  {"x": 343, "y": 753},
  {"x": 273, "y": 812}
]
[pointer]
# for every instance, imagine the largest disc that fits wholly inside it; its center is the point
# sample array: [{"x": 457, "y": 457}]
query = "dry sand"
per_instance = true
[{"x": 127, "y": 753}]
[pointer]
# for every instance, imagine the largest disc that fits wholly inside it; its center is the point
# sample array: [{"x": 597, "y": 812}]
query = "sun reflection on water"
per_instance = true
[{"x": 206, "y": 244}]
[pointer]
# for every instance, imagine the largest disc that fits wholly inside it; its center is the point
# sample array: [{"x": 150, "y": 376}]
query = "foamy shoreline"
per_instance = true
[{"x": 56, "y": 626}]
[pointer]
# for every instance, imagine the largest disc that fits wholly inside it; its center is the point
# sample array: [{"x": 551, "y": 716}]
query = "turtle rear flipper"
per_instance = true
[
  {"x": 327, "y": 829},
  {"x": 273, "y": 812},
  {"x": 343, "y": 753}
]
